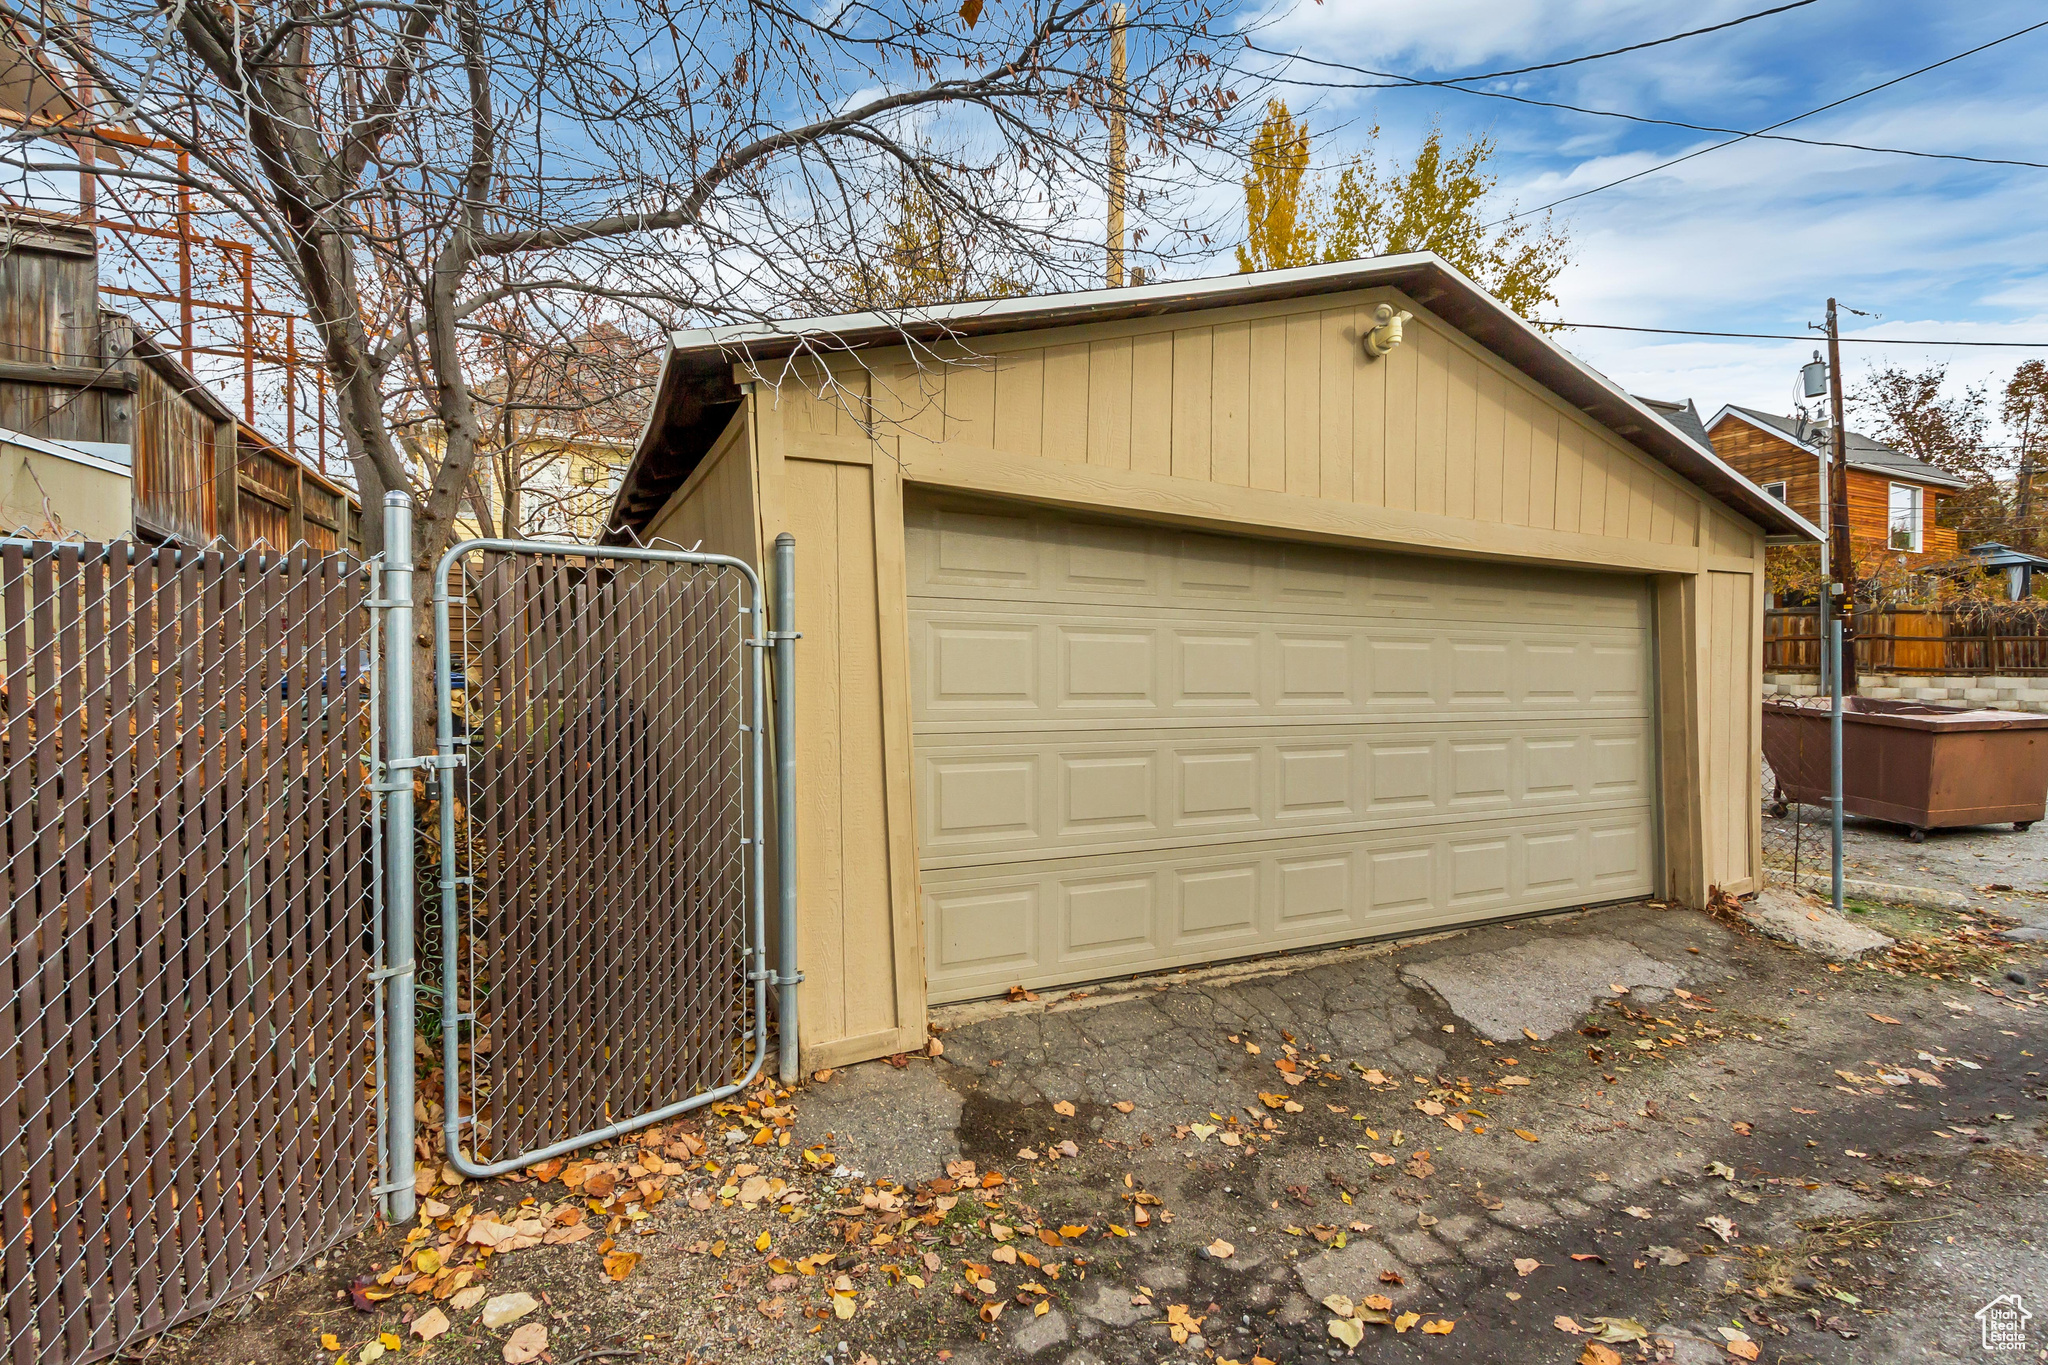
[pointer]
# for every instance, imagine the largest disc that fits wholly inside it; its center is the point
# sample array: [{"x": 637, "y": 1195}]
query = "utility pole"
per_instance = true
[
  {"x": 1842, "y": 557},
  {"x": 1115, "y": 272}
]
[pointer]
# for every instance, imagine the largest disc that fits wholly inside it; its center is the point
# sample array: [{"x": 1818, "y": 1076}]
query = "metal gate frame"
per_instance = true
[{"x": 757, "y": 638}]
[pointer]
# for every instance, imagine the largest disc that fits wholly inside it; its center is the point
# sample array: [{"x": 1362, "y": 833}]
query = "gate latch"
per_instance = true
[{"x": 427, "y": 761}]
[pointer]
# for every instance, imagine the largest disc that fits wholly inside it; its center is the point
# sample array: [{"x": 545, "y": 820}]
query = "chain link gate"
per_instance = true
[{"x": 601, "y": 951}]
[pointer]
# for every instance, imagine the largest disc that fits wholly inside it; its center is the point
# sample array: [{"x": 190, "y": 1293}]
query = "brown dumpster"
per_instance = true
[{"x": 1925, "y": 767}]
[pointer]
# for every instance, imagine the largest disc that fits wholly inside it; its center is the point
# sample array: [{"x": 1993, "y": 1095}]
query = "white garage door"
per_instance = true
[{"x": 1139, "y": 748}]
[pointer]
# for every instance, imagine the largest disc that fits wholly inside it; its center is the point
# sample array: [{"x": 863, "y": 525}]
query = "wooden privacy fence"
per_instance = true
[
  {"x": 187, "y": 1068},
  {"x": 1929, "y": 641}
]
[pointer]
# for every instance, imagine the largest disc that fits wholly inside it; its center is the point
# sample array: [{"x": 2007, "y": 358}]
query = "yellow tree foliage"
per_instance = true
[
  {"x": 922, "y": 259},
  {"x": 1440, "y": 201},
  {"x": 1279, "y": 214}
]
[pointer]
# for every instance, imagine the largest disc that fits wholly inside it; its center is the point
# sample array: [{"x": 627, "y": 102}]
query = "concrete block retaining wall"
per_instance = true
[{"x": 2000, "y": 693}]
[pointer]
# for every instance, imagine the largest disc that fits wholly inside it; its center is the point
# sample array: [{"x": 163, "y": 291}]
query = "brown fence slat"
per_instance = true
[
  {"x": 1970, "y": 640},
  {"x": 183, "y": 1107}
]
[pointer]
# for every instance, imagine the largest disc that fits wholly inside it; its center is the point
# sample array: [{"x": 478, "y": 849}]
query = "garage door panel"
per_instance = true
[
  {"x": 1100, "y": 917},
  {"x": 1040, "y": 557},
  {"x": 1081, "y": 793},
  {"x": 981, "y": 665}
]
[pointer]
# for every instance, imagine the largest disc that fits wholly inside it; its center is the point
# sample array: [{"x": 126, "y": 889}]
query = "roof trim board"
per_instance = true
[{"x": 696, "y": 386}]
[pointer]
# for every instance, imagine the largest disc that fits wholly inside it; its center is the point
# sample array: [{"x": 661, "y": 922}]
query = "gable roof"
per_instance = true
[
  {"x": 1863, "y": 452},
  {"x": 695, "y": 393}
]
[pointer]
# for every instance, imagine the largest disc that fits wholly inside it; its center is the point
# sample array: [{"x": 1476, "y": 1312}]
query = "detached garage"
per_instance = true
[{"x": 1160, "y": 626}]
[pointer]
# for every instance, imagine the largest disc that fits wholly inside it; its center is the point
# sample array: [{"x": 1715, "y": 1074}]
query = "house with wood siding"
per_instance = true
[{"x": 1895, "y": 500}]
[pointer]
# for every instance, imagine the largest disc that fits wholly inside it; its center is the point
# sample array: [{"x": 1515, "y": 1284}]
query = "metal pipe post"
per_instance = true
[
  {"x": 787, "y": 976},
  {"x": 398, "y": 849},
  {"x": 1835, "y": 752}
]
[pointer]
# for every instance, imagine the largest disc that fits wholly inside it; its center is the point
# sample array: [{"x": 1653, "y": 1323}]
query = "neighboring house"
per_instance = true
[
  {"x": 566, "y": 484},
  {"x": 1150, "y": 627},
  {"x": 77, "y": 375},
  {"x": 1895, "y": 501},
  {"x": 50, "y": 490}
]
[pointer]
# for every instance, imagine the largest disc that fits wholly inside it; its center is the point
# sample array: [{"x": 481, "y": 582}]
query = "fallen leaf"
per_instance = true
[
  {"x": 1516, "y": 1080},
  {"x": 1722, "y": 1169},
  {"x": 1064, "y": 1108},
  {"x": 1392, "y": 1277},
  {"x": 842, "y": 1307},
  {"x": 1884, "y": 1019},
  {"x": 1565, "y": 1324},
  {"x": 1636, "y": 1211},
  {"x": 1525, "y": 1265},
  {"x": 329, "y": 1342},
  {"x": 373, "y": 1351},
  {"x": 508, "y": 1308},
  {"x": 1525, "y": 1135},
  {"x": 1669, "y": 1255},
  {"x": 1347, "y": 1330},
  {"x": 619, "y": 1264},
  {"x": 1620, "y": 1329},
  {"x": 1442, "y": 1326},
  {"x": 1596, "y": 1354},
  {"x": 1124, "y": 1106},
  {"x": 1221, "y": 1249},
  {"x": 764, "y": 1241},
  {"x": 430, "y": 1324},
  {"x": 1720, "y": 1226},
  {"x": 1406, "y": 1320},
  {"x": 525, "y": 1344},
  {"x": 1341, "y": 1305}
]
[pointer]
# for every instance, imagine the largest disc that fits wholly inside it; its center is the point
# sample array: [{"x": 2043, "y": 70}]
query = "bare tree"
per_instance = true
[{"x": 410, "y": 166}]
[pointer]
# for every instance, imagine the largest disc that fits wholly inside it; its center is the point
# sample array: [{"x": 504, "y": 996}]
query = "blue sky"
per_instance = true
[{"x": 1756, "y": 236}]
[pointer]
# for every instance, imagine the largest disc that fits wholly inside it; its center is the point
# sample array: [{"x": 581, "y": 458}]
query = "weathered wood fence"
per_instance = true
[
  {"x": 186, "y": 1064},
  {"x": 1916, "y": 641}
]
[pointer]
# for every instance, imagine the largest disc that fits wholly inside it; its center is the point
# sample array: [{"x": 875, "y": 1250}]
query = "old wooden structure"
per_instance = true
[
  {"x": 74, "y": 372},
  {"x": 1151, "y": 627}
]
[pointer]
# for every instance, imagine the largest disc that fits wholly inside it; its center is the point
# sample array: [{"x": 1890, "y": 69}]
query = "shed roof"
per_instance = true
[
  {"x": 695, "y": 393},
  {"x": 1863, "y": 452}
]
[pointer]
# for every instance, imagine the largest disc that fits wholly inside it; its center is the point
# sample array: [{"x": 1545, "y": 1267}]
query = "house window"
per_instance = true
[
  {"x": 1905, "y": 517},
  {"x": 1776, "y": 490}
]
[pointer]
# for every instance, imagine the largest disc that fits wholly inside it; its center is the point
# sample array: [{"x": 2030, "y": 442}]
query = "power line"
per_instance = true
[
  {"x": 1632, "y": 47},
  {"x": 1835, "y": 104},
  {"x": 1800, "y": 336},
  {"x": 1406, "y": 83}
]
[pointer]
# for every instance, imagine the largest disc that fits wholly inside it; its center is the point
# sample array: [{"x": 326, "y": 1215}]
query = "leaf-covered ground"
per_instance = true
[{"x": 1777, "y": 1158}]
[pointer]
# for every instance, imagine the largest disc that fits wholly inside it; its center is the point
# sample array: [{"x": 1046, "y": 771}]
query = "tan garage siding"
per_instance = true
[
  {"x": 1138, "y": 748},
  {"x": 715, "y": 510},
  {"x": 1286, "y": 402}
]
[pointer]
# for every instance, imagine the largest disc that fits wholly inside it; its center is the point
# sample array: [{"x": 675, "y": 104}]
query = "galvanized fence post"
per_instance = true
[
  {"x": 787, "y": 977},
  {"x": 1835, "y": 750},
  {"x": 396, "y": 783}
]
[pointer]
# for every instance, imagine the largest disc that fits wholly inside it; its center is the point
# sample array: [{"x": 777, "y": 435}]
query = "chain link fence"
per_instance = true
[
  {"x": 187, "y": 1062},
  {"x": 1798, "y": 837}
]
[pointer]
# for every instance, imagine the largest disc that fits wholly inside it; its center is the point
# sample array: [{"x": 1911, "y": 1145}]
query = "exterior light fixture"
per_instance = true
[{"x": 1386, "y": 332}]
